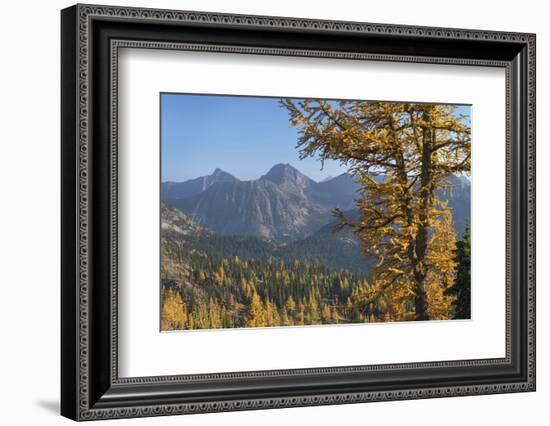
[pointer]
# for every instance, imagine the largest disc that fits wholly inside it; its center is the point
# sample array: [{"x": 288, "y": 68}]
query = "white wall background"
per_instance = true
[{"x": 29, "y": 213}]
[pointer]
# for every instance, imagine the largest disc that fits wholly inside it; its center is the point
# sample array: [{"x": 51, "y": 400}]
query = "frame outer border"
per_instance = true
[{"x": 84, "y": 12}]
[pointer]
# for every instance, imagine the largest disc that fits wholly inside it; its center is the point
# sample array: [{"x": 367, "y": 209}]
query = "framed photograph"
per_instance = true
[{"x": 263, "y": 212}]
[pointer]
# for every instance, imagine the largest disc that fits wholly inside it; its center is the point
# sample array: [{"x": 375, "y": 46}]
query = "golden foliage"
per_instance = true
[
  {"x": 402, "y": 156},
  {"x": 442, "y": 272},
  {"x": 256, "y": 316},
  {"x": 174, "y": 312}
]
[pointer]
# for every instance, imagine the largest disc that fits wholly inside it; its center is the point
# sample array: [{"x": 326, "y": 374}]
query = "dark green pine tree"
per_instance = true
[{"x": 461, "y": 288}]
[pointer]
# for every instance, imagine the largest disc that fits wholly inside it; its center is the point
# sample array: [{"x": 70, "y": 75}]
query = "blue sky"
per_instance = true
[{"x": 244, "y": 136}]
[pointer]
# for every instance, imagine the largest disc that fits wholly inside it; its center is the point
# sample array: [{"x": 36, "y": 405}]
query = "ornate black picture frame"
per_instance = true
[{"x": 91, "y": 37}]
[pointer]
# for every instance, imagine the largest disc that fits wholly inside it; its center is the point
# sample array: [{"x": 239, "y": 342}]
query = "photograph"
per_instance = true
[
  {"x": 297, "y": 212},
  {"x": 264, "y": 209}
]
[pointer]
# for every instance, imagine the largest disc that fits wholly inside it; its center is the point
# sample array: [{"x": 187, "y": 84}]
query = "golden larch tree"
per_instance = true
[
  {"x": 256, "y": 313},
  {"x": 401, "y": 155},
  {"x": 174, "y": 312}
]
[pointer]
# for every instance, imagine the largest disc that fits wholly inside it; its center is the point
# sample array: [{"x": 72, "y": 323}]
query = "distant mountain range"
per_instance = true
[{"x": 283, "y": 205}]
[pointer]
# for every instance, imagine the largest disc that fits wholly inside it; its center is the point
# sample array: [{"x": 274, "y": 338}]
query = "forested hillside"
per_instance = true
[
  {"x": 252, "y": 293},
  {"x": 213, "y": 281}
]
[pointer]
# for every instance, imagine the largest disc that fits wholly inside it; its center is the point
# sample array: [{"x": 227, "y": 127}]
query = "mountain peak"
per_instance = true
[
  {"x": 285, "y": 174},
  {"x": 219, "y": 173},
  {"x": 281, "y": 168},
  {"x": 194, "y": 186},
  {"x": 217, "y": 176}
]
